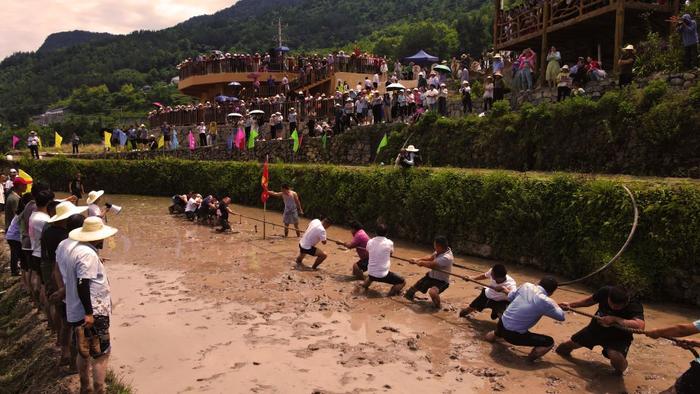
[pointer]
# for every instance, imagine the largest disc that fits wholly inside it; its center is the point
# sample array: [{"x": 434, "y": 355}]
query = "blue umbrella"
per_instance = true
[
  {"x": 282, "y": 49},
  {"x": 221, "y": 98}
]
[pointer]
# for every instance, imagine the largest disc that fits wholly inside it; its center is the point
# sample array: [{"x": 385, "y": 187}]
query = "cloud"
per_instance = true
[{"x": 27, "y": 23}]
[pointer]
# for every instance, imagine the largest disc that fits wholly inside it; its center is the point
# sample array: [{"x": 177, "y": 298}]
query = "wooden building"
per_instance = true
[{"x": 596, "y": 28}]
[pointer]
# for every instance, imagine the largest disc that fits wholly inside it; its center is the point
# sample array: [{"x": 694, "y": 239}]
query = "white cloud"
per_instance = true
[{"x": 26, "y": 23}]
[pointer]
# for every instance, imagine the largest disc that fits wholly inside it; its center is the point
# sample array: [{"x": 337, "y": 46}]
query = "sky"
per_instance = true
[{"x": 26, "y": 23}]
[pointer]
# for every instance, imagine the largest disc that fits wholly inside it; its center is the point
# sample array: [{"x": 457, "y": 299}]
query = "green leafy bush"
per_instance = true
[
  {"x": 640, "y": 132},
  {"x": 560, "y": 223}
]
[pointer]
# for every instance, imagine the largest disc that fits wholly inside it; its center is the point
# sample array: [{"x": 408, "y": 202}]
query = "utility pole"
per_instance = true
[{"x": 279, "y": 32}]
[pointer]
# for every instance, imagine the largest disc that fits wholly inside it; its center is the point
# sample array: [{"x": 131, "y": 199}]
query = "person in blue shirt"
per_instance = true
[
  {"x": 527, "y": 306},
  {"x": 688, "y": 28},
  {"x": 689, "y": 382}
]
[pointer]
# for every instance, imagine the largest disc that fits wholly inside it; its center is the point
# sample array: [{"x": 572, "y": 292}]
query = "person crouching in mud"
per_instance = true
[{"x": 315, "y": 233}]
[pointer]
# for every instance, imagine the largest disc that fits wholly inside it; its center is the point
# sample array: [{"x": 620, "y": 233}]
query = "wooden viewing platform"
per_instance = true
[{"x": 580, "y": 27}]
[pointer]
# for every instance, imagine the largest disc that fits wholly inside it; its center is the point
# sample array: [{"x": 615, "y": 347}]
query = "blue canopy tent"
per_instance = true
[{"x": 421, "y": 58}]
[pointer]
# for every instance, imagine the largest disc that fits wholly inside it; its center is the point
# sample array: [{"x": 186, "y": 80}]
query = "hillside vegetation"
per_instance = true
[{"x": 31, "y": 82}]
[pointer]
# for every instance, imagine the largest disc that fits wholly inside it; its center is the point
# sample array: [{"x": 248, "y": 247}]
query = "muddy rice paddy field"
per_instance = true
[{"x": 197, "y": 311}]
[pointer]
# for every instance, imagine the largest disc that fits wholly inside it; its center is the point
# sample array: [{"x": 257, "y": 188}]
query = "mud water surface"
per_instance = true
[{"x": 198, "y": 311}]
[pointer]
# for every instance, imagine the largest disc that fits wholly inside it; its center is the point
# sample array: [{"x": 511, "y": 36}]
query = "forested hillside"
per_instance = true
[{"x": 31, "y": 82}]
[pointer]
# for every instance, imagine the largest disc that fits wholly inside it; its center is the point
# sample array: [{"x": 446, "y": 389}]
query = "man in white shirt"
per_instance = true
[
  {"x": 438, "y": 279},
  {"x": 35, "y": 226},
  {"x": 315, "y": 233},
  {"x": 380, "y": 249},
  {"x": 192, "y": 206},
  {"x": 527, "y": 306},
  {"x": 495, "y": 297},
  {"x": 88, "y": 299}
]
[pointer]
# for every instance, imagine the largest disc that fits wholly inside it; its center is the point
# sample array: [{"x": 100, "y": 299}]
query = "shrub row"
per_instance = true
[
  {"x": 651, "y": 131},
  {"x": 561, "y": 223}
]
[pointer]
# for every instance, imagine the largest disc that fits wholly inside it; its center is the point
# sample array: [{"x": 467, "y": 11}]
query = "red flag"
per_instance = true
[{"x": 264, "y": 182}]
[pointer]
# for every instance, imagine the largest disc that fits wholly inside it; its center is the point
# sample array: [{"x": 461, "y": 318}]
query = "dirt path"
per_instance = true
[{"x": 197, "y": 311}]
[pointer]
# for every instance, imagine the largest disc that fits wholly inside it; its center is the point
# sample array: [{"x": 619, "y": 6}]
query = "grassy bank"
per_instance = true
[{"x": 560, "y": 223}]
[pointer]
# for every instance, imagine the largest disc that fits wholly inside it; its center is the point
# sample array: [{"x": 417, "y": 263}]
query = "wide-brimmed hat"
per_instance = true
[
  {"x": 94, "y": 195},
  {"x": 65, "y": 210},
  {"x": 93, "y": 230},
  {"x": 13, "y": 171},
  {"x": 32, "y": 132},
  {"x": 565, "y": 67},
  {"x": 629, "y": 47},
  {"x": 412, "y": 148},
  {"x": 292, "y": 109},
  {"x": 497, "y": 74}
]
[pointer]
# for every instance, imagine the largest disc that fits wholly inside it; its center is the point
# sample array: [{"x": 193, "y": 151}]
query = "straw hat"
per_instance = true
[
  {"x": 412, "y": 148},
  {"x": 565, "y": 67},
  {"x": 93, "y": 230},
  {"x": 94, "y": 195},
  {"x": 629, "y": 47},
  {"x": 65, "y": 210}
]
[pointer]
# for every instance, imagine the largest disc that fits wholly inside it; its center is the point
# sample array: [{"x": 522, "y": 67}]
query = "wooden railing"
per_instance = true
[{"x": 520, "y": 23}]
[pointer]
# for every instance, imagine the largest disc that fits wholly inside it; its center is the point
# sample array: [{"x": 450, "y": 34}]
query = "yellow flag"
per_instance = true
[
  {"x": 161, "y": 142},
  {"x": 39, "y": 138},
  {"x": 58, "y": 140},
  {"x": 27, "y": 178},
  {"x": 108, "y": 139}
]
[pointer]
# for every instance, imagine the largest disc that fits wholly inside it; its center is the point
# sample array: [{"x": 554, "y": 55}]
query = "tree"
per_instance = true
[{"x": 436, "y": 38}]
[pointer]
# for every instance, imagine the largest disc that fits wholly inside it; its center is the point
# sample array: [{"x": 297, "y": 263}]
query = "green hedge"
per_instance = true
[
  {"x": 652, "y": 131},
  {"x": 560, "y": 223}
]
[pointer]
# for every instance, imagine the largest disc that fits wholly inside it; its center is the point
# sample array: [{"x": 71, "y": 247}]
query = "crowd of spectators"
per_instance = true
[{"x": 280, "y": 61}]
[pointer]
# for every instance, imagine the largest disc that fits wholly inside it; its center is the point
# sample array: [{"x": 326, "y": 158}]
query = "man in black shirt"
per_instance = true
[
  {"x": 616, "y": 309},
  {"x": 223, "y": 212}
]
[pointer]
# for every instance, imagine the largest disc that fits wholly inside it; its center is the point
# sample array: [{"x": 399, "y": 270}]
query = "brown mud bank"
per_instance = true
[{"x": 198, "y": 311}]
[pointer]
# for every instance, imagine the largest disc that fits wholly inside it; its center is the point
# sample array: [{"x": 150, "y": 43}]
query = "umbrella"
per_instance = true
[
  {"x": 235, "y": 115},
  {"x": 443, "y": 69},
  {"x": 234, "y": 84},
  {"x": 395, "y": 86},
  {"x": 221, "y": 98},
  {"x": 217, "y": 52},
  {"x": 257, "y": 112},
  {"x": 157, "y": 104},
  {"x": 282, "y": 49}
]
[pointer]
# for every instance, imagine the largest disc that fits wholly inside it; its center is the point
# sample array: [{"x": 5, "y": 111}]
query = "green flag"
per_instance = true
[
  {"x": 295, "y": 137},
  {"x": 251, "y": 138},
  {"x": 324, "y": 141},
  {"x": 384, "y": 142}
]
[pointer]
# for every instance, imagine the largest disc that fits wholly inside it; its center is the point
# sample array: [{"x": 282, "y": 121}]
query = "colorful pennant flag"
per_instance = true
[
  {"x": 108, "y": 139},
  {"x": 27, "y": 178},
  {"x": 384, "y": 142},
  {"x": 295, "y": 137},
  {"x": 174, "y": 144},
  {"x": 191, "y": 140},
  {"x": 57, "y": 140},
  {"x": 123, "y": 138},
  {"x": 324, "y": 141},
  {"x": 15, "y": 140},
  {"x": 229, "y": 142},
  {"x": 251, "y": 139},
  {"x": 161, "y": 142},
  {"x": 264, "y": 182},
  {"x": 240, "y": 139}
]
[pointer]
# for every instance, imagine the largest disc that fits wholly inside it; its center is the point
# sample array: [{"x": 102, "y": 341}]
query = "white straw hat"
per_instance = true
[
  {"x": 412, "y": 148},
  {"x": 65, "y": 210},
  {"x": 94, "y": 195},
  {"x": 93, "y": 230}
]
